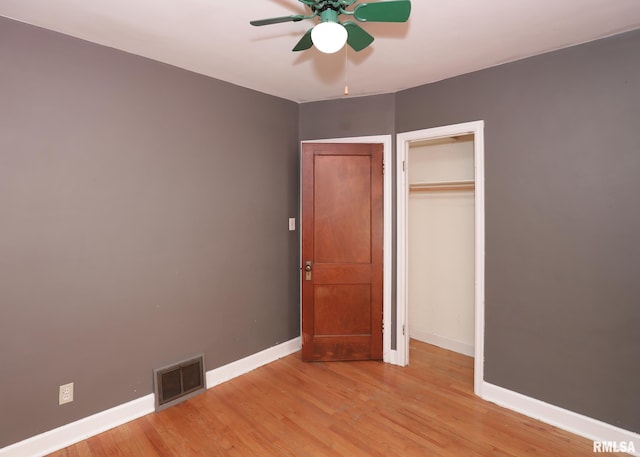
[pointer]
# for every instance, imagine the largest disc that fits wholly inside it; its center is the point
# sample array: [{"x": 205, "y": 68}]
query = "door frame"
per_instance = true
[
  {"x": 404, "y": 140},
  {"x": 386, "y": 141}
]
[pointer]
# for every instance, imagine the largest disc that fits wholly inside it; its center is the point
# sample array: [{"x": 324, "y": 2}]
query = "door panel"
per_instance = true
[
  {"x": 342, "y": 245},
  {"x": 342, "y": 209},
  {"x": 351, "y": 302}
]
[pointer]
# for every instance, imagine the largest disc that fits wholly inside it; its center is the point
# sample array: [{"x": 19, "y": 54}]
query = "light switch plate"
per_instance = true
[{"x": 292, "y": 224}]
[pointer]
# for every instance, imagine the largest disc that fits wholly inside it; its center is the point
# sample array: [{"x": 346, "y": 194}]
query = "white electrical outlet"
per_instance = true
[
  {"x": 65, "y": 394},
  {"x": 292, "y": 224}
]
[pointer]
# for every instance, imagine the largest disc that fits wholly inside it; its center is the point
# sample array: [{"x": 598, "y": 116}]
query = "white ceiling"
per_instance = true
[{"x": 442, "y": 38}]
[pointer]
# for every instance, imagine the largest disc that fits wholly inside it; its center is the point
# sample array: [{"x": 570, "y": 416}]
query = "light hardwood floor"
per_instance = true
[{"x": 291, "y": 408}]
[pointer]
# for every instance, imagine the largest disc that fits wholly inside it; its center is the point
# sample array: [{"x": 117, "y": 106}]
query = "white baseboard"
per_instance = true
[
  {"x": 567, "y": 420},
  {"x": 242, "y": 366},
  {"x": 61, "y": 437},
  {"x": 64, "y": 436},
  {"x": 443, "y": 342}
]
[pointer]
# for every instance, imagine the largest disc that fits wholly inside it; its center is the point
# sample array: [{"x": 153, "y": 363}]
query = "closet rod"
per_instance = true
[{"x": 441, "y": 186}]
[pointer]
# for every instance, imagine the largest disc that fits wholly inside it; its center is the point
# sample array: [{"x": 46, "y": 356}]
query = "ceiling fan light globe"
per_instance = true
[{"x": 329, "y": 37}]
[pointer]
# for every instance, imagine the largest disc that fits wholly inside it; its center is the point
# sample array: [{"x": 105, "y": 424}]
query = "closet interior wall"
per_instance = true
[{"x": 441, "y": 243}]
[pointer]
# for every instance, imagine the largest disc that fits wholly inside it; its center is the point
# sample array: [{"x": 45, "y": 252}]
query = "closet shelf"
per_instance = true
[{"x": 441, "y": 186}]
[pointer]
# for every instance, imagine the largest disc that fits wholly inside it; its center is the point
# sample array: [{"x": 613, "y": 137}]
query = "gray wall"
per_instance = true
[
  {"x": 562, "y": 160},
  {"x": 347, "y": 117},
  {"x": 143, "y": 218}
]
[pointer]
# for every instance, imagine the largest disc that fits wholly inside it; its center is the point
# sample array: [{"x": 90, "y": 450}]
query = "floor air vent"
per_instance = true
[{"x": 175, "y": 383}]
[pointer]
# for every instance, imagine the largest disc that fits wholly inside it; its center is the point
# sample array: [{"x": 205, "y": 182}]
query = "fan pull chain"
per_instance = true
[{"x": 346, "y": 70}]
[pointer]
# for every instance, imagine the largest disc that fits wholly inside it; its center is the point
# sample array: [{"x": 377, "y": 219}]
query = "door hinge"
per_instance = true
[
  {"x": 404, "y": 168},
  {"x": 403, "y": 329},
  {"x": 383, "y": 167}
]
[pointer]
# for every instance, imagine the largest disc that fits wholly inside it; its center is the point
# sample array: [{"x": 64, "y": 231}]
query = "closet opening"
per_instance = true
[
  {"x": 440, "y": 294},
  {"x": 440, "y": 244}
]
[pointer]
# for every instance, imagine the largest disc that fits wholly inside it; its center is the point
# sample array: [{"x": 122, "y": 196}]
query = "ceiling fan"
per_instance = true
[{"x": 331, "y": 34}]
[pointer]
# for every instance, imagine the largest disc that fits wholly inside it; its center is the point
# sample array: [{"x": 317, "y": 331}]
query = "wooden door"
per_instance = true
[{"x": 342, "y": 239}]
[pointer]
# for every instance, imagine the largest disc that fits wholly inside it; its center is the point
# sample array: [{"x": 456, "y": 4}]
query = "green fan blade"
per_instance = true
[
  {"x": 277, "y": 20},
  {"x": 358, "y": 37},
  {"x": 390, "y": 11},
  {"x": 305, "y": 42}
]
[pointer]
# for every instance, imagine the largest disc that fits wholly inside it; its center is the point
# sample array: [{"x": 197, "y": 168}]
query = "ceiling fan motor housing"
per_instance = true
[{"x": 321, "y": 7}]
